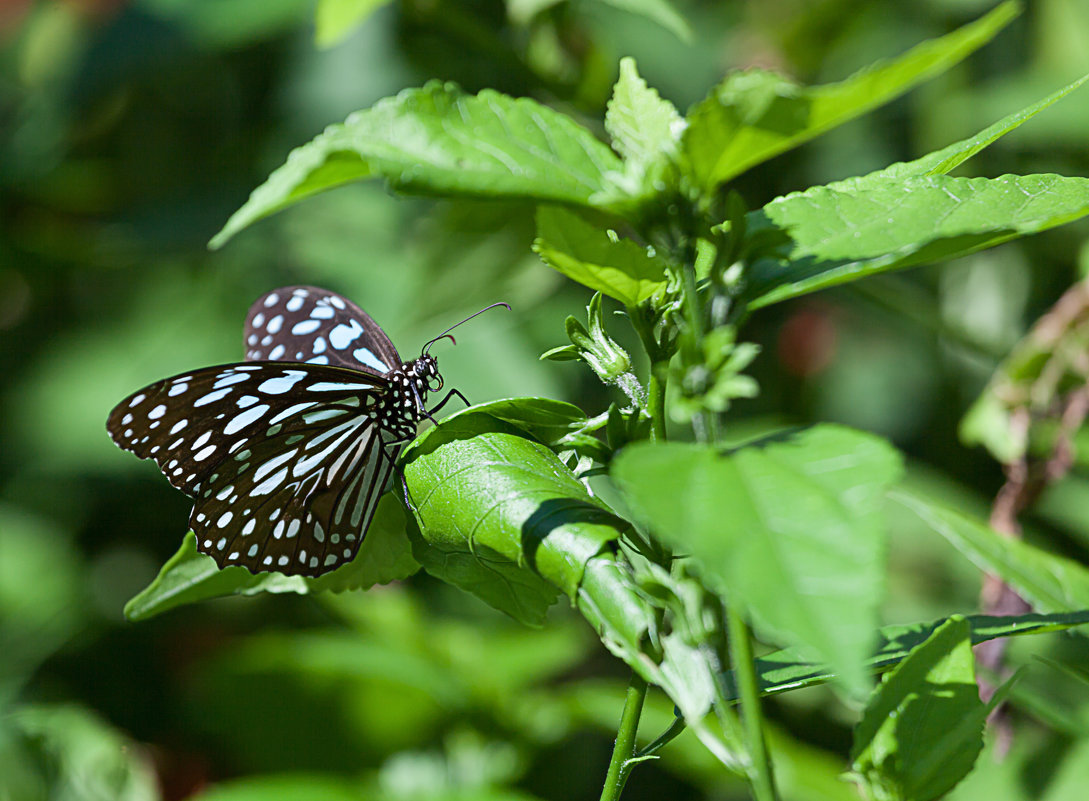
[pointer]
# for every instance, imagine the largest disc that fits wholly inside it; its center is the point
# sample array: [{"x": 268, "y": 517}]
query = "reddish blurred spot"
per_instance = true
[
  {"x": 182, "y": 773},
  {"x": 12, "y": 14},
  {"x": 807, "y": 342}
]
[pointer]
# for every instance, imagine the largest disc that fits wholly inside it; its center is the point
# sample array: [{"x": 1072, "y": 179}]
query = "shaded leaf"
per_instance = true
[
  {"x": 659, "y": 11},
  {"x": 619, "y": 268},
  {"x": 785, "y": 670},
  {"x": 923, "y": 729},
  {"x": 1050, "y": 583},
  {"x": 66, "y": 752},
  {"x": 789, "y": 527}
]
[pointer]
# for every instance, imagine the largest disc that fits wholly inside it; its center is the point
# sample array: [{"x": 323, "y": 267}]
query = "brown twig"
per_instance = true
[{"x": 1026, "y": 478}]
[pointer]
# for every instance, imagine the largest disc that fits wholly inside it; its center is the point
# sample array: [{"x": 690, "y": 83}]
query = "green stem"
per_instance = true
[
  {"x": 760, "y": 773},
  {"x": 656, "y": 406},
  {"x": 624, "y": 749},
  {"x": 675, "y": 728}
]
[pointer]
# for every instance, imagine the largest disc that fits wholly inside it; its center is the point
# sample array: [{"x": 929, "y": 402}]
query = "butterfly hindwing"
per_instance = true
[
  {"x": 308, "y": 324},
  {"x": 300, "y": 502}
]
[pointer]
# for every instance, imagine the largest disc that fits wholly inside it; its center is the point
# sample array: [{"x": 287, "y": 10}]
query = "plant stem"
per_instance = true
[
  {"x": 624, "y": 749},
  {"x": 760, "y": 772},
  {"x": 656, "y": 406}
]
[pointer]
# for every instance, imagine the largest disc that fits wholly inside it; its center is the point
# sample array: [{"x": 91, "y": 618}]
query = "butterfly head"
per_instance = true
[{"x": 425, "y": 373}]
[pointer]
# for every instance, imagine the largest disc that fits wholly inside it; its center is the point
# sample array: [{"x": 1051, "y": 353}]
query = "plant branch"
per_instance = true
[
  {"x": 760, "y": 771},
  {"x": 624, "y": 757}
]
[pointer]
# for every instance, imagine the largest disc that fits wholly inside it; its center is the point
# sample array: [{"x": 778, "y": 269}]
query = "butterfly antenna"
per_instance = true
[{"x": 446, "y": 333}]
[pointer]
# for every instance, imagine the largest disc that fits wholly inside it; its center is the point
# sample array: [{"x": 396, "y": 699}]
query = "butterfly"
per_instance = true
[{"x": 287, "y": 453}]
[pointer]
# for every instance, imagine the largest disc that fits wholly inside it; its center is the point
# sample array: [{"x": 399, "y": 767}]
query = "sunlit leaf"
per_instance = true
[
  {"x": 949, "y": 158},
  {"x": 335, "y": 19},
  {"x": 439, "y": 140},
  {"x": 188, "y": 576},
  {"x": 754, "y": 115},
  {"x": 837, "y": 237},
  {"x": 644, "y": 127},
  {"x": 501, "y": 516}
]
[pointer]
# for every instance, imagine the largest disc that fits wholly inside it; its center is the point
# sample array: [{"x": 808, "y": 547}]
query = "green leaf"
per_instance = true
[
  {"x": 189, "y": 576},
  {"x": 790, "y": 527},
  {"x": 948, "y": 158},
  {"x": 659, "y": 11},
  {"x": 923, "y": 728},
  {"x": 619, "y": 268},
  {"x": 500, "y": 516},
  {"x": 335, "y": 19},
  {"x": 283, "y": 787},
  {"x": 785, "y": 670},
  {"x": 65, "y": 752},
  {"x": 1050, "y": 583},
  {"x": 542, "y": 418},
  {"x": 645, "y": 129},
  {"x": 438, "y": 140},
  {"x": 755, "y": 115},
  {"x": 844, "y": 236}
]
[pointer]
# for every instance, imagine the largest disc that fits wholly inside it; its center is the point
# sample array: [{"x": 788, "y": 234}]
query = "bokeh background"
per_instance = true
[{"x": 131, "y": 129}]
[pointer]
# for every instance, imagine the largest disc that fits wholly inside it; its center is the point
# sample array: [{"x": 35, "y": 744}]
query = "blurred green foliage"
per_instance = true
[{"x": 131, "y": 130}]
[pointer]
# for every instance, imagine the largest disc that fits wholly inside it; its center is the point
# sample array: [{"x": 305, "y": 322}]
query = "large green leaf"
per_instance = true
[
  {"x": 438, "y": 140},
  {"x": 619, "y": 268},
  {"x": 789, "y": 527},
  {"x": 754, "y": 115},
  {"x": 940, "y": 162},
  {"x": 500, "y": 516},
  {"x": 785, "y": 670},
  {"x": 189, "y": 576},
  {"x": 840, "y": 236},
  {"x": 923, "y": 728},
  {"x": 1050, "y": 583}
]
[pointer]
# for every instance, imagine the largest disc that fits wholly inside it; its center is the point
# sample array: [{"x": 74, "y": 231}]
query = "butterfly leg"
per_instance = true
[{"x": 449, "y": 395}]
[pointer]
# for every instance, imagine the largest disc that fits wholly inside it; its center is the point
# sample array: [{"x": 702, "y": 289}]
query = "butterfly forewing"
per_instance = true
[
  {"x": 308, "y": 324},
  {"x": 285, "y": 461}
]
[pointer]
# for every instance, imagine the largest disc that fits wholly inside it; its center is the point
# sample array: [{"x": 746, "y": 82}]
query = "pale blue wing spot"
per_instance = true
[
  {"x": 367, "y": 357},
  {"x": 344, "y": 334},
  {"x": 306, "y": 327}
]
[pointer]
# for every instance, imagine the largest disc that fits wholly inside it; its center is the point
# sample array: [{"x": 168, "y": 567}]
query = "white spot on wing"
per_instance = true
[
  {"x": 242, "y": 420},
  {"x": 280, "y": 384},
  {"x": 366, "y": 356},
  {"x": 272, "y": 299},
  {"x": 213, "y": 396},
  {"x": 305, "y": 327},
  {"x": 157, "y": 412},
  {"x": 344, "y": 334}
]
